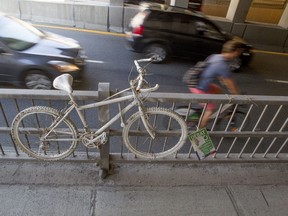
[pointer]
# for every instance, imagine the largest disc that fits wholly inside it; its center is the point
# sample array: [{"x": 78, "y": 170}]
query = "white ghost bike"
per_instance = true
[{"x": 48, "y": 134}]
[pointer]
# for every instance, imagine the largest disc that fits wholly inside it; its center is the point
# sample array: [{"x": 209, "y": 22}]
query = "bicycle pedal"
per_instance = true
[{"x": 103, "y": 138}]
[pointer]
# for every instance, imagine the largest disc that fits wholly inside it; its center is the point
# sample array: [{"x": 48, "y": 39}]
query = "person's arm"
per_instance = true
[{"x": 231, "y": 85}]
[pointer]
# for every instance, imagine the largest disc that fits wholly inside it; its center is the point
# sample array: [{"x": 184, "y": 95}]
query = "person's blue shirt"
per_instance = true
[{"x": 217, "y": 67}]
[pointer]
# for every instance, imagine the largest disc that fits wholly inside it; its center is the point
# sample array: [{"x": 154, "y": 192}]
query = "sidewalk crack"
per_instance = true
[
  {"x": 18, "y": 168},
  {"x": 237, "y": 208},
  {"x": 93, "y": 203},
  {"x": 264, "y": 198}
]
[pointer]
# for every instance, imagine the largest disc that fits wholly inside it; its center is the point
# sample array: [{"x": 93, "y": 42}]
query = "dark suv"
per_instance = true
[{"x": 165, "y": 31}]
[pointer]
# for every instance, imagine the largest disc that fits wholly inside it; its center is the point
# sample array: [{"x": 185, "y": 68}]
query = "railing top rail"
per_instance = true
[
  {"x": 221, "y": 98},
  {"x": 155, "y": 96},
  {"x": 46, "y": 94}
]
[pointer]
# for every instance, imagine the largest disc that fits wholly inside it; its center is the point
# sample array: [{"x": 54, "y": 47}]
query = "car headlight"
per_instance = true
[{"x": 63, "y": 67}]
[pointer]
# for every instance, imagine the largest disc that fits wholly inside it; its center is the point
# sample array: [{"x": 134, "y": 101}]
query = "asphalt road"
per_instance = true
[{"x": 110, "y": 61}]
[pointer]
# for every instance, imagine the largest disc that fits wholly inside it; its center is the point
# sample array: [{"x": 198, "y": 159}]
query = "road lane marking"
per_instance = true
[
  {"x": 81, "y": 30},
  {"x": 95, "y": 61},
  {"x": 277, "y": 81},
  {"x": 270, "y": 52}
]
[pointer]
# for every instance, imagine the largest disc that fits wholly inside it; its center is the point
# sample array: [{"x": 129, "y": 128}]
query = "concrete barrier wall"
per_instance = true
[
  {"x": 47, "y": 12},
  {"x": 11, "y": 7},
  {"x": 266, "y": 37},
  {"x": 91, "y": 17},
  {"x": 116, "y": 18},
  {"x": 261, "y": 36}
]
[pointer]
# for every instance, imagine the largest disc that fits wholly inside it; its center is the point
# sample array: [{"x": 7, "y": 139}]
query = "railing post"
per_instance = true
[{"x": 103, "y": 115}]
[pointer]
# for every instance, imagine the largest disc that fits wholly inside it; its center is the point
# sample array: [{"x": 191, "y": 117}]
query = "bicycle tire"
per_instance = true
[
  {"x": 191, "y": 122},
  {"x": 32, "y": 123},
  {"x": 167, "y": 141},
  {"x": 236, "y": 122}
]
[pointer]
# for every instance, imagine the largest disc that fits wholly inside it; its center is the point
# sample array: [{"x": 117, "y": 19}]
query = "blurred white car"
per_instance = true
[{"x": 33, "y": 58}]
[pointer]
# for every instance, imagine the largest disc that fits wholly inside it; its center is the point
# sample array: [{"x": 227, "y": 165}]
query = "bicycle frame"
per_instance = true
[
  {"x": 64, "y": 82},
  {"x": 136, "y": 102}
]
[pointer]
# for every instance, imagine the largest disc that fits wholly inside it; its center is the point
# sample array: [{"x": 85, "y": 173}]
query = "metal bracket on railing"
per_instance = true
[
  {"x": 251, "y": 100},
  {"x": 229, "y": 98}
]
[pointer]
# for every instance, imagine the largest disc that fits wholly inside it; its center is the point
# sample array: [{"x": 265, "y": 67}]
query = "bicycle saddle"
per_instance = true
[{"x": 63, "y": 82}]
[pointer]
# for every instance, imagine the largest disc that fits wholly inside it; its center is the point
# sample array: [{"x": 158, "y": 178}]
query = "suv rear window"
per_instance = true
[
  {"x": 159, "y": 20},
  {"x": 175, "y": 22},
  {"x": 208, "y": 30},
  {"x": 183, "y": 24}
]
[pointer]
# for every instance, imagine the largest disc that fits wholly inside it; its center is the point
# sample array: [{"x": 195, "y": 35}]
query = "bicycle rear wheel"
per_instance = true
[
  {"x": 167, "y": 141},
  {"x": 236, "y": 123},
  {"x": 31, "y": 131}
]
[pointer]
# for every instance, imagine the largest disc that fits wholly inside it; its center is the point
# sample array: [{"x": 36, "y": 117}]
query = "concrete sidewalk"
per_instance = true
[{"x": 68, "y": 188}]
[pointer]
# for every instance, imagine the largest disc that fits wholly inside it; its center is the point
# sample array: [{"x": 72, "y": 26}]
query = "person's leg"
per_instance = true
[
  {"x": 213, "y": 89},
  {"x": 211, "y": 107},
  {"x": 205, "y": 118},
  {"x": 208, "y": 112}
]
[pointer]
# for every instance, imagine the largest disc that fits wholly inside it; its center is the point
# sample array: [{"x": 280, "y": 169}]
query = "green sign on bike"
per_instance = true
[{"x": 202, "y": 143}]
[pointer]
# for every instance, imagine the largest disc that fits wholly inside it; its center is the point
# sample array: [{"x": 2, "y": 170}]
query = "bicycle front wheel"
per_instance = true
[
  {"x": 168, "y": 140},
  {"x": 36, "y": 131}
]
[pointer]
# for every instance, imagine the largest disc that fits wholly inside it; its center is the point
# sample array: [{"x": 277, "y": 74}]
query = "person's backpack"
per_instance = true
[{"x": 192, "y": 75}]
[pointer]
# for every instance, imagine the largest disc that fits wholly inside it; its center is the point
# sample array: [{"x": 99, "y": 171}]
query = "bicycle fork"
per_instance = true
[
  {"x": 143, "y": 115},
  {"x": 145, "y": 119}
]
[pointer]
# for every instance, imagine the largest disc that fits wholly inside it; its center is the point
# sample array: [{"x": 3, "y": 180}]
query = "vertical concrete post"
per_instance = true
[
  {"x": 116, "y": 16},
  {"x": 117, "y": 2},
  {"x": 238, "y": 10},
  {"x": 167, "y": 2},
  {"x": 284, "y": 19},
  {"x": 103, "y": 116},
  {"x": 178, "y": 3}
]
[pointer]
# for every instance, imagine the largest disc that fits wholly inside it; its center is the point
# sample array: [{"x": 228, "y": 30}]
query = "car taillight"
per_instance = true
[{"x": 138, "y": 30}]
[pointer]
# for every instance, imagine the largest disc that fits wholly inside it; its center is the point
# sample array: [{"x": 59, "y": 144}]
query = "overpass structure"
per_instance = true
[{"x": 114, "y": 16}]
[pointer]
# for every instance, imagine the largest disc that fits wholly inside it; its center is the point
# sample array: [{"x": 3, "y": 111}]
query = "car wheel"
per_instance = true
[
  {"x": 158, "y": 52},
  {"x": 37, "y": 80}
]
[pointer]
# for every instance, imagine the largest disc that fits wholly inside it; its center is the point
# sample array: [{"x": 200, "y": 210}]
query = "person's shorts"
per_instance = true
[{"x": 213, "y": 89}]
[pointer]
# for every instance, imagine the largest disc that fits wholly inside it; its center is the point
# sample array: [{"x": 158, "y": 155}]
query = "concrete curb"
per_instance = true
[{"x": 139, "y": 174}]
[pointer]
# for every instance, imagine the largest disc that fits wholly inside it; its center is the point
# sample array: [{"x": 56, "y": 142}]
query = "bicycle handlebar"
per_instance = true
[
  {"x": 138, "y": 67},
  {"x": 141, "y": 71},
  {"x": 150, "y": 89}
]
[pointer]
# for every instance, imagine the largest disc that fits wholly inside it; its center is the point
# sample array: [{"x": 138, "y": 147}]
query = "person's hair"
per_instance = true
[{"x": 231, "y": 46}]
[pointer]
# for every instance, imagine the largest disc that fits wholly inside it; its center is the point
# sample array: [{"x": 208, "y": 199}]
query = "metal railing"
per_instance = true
[{"x": 265, "y": 137}]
